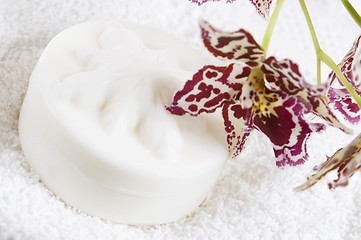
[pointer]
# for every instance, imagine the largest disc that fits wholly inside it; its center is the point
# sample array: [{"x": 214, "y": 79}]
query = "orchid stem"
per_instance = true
[
  {"x": 318, "y": 70},
  {"x": 316, "y": 44},
  {"x": 310, "y": 25},
  {"x": 351, "y": 10},
  {"x": 322, "y": 56},
  {"x": 271, "y": 26}
]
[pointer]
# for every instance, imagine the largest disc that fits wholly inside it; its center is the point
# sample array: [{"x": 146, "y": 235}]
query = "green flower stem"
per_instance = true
[
  {"x": 322, "y": 56},
  {"x": 271, "y": 26},
  {"x": 310, "y": 25},
  {"x": 316, "y": 44},
  {"x": 354, "y": 14},
  {"x": 318, "y": 70}
]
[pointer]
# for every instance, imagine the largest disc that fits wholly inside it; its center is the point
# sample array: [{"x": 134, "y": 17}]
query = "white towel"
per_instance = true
[{"x": 253, "y": 199}]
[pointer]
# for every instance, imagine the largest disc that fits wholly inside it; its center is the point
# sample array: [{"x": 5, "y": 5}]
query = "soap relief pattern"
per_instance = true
[
  {"x": 271, "y": 96},
  {"x": 153, "y": 74}
]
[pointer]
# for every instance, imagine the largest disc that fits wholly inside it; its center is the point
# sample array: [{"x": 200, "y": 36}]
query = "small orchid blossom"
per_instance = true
[
  {"x": 268, "y": 95},
  {"x": 340, "y": 99},
  {"x": 262, "y": 6},
  {"x": 346, "y": 160}
]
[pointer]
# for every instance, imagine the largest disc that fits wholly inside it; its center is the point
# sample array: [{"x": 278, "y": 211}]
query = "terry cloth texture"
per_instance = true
[{"x": 253, "y": 199}]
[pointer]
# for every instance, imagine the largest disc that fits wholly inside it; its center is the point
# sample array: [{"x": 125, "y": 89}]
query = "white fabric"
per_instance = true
[{"x": 252, "y": 199}]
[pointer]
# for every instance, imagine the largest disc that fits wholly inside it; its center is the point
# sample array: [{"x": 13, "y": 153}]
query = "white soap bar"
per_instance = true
[{"x": 94, "y": 127}]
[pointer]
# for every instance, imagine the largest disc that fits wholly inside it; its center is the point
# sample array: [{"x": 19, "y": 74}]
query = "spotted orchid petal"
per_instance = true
[
  {"x": 285, "y": 126},
  {"x": 346, "y": 160},
  {"x": 238, "y": 125},
  {"x": 322, "y": 110},
  {"x": 262, "y": 7},
  {"x": 200, "y": 2},
  {"x": 210, "y": 88},
  {"x": 356, "y": 70},
  {"x": 341, "y": 100},
  {"x": 350, "y": 66},
  {"x": 238, "y": 46},
  {"x": 285, "y": 76}
]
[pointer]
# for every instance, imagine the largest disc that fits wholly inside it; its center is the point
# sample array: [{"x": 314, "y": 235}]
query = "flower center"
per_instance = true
[{"x": 262, "y": 100}]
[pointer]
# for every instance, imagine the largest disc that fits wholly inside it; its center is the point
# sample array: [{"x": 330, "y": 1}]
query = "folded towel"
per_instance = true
[{"x": 253, "y": 199}]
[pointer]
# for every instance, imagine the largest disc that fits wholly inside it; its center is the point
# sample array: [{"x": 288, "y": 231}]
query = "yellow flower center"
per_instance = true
[{"x": 263, "y": 100}]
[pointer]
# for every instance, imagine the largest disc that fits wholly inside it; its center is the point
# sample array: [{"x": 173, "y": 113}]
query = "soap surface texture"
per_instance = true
[{"x": 94, "y": 127}]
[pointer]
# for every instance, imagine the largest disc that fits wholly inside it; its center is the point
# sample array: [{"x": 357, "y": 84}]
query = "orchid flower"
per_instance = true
[
  {"x": 340, "y": 99},
  {"x": 346, "y": 160},
  {"x": 262, "y": 6},
  {"x": 255, "y": 92}
]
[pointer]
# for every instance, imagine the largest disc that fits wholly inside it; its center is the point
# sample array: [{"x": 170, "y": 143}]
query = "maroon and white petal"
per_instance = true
[
  {"x": 322, "y": 110},
  {"x": 200, "y": 2},
  {"x": 341, "y": 100},
  {"x": 238, "y": 46},
  {"x": 356, "y": 71},
  {"x": 238, "y": 125},
  {"x": 346, "y": 160},
  {"x": 287, "y": 129},
  {"x": 263, "y": 7},
  {"x": 350, "y": 66},
  {"x": 284, "y": 75},
  {"x": 210, "y": 88}
]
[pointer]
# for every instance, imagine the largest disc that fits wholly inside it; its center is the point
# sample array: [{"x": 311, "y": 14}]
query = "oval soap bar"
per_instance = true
[{"x": 94, "y": 127}]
